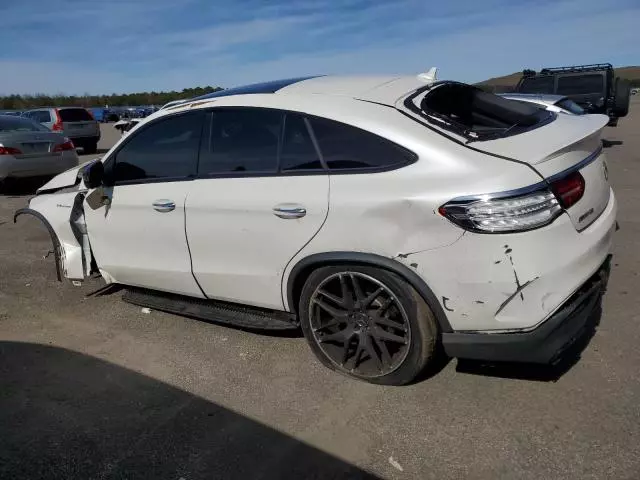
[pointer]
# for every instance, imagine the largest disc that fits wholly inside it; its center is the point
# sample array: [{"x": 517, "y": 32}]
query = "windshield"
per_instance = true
[
  {"x": 543, "y": 84},
  {"x": 19, "y": 124},
  {"x": 570, "y": 106}
]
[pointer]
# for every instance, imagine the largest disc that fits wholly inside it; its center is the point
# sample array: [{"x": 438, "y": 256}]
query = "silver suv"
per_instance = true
[{"x": 76, "y": 123}]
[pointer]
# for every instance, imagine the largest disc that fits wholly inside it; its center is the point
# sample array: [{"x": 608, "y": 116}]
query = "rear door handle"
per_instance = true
[
  {"x": 289, "y": 210},
  {"x": 164, "y": 205}
]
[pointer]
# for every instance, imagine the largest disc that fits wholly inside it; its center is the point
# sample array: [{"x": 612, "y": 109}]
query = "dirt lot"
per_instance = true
[{"x": 91, "y": 387}]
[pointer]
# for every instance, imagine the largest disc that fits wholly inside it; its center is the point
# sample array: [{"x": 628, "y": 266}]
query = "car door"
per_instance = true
[
  {"x": 139, "y": 237},
  {"x": 260, "y": 196}
]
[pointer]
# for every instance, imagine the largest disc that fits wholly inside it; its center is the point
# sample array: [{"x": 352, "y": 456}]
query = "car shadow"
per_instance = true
[
  {"x": 68, "y": 415},
  {"x": 535, "y": 372},
  {"x": 611, "y": 143}
]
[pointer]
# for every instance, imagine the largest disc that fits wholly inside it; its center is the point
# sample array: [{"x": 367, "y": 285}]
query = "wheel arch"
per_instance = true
[
  {"x": 57, "y": 247},
  {"x": 301, "y": 271}
]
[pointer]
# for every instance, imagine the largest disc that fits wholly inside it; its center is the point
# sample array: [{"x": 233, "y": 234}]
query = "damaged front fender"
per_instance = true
[{"x": 62, "y": 214}]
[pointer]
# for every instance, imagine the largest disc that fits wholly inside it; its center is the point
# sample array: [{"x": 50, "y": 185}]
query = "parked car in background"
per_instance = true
[
  {"x": 594, "y": 87},
  {"x": 28, "y": 149},
  {"x": 553, "y": 103},
  {"x": 385, "y": 216},
  {"x": 74, "y": 122}
]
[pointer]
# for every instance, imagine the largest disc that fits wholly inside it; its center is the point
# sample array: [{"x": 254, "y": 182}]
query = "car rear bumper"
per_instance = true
[{"x": 543, "y": 344}]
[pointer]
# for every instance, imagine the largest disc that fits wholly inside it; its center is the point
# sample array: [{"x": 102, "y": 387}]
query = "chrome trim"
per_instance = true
[
  {"x": 500, "y": 195},
  {"x": 288, "y": 212},
  {"x": 164, "y": 205}
]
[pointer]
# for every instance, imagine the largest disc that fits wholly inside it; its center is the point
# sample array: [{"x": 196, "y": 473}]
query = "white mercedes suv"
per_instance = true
[{"x": 388, "y": 217}]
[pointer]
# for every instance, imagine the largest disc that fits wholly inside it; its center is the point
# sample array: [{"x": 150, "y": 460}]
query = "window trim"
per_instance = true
[{"x": 109, "y": 163}]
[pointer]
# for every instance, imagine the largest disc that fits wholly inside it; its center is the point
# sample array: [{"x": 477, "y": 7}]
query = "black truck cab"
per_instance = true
[{"x": 594, "y": 87}]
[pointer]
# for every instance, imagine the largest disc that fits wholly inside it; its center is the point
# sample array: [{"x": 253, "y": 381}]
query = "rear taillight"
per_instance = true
[
  {"x": 9, "y": 150},
  {"x": 502, "y": 214},
  {"x": 67, "y": 145},
  {"x": 569, "y": 189},
  {"x": 57, "y": 125}
]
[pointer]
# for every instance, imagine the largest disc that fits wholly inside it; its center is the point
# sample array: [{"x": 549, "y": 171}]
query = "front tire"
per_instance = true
[{"x": 367, "y": 323}]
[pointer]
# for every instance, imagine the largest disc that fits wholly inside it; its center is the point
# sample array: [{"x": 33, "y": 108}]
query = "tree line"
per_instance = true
[{"x": 24, "y": 102}]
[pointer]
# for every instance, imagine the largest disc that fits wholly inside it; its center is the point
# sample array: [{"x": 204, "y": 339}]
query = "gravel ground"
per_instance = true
[{"x": 92, "y": 387}]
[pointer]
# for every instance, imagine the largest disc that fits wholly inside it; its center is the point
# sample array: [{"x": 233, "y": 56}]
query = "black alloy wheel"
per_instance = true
[{"x": 367, "y": 323}]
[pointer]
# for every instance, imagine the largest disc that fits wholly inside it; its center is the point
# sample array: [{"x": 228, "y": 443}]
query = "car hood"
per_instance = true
[{"x": 69, "y": 178}]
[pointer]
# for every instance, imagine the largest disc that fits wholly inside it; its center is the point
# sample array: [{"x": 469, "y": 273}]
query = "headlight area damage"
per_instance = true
[{"x": 62, "y": 214}]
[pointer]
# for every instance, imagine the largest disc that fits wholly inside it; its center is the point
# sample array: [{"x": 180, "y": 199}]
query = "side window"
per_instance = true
[
  {"x": 168, "y": 148},
  {"x": 298, "y": 152},
  {"x": 242, "y": 140},
  {"x": 44, "y": 116},
  {"x": 347, "y": 147}
]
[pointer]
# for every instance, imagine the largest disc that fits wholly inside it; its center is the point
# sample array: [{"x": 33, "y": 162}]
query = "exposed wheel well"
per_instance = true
[
  {"x": 300, "y": 273},
  {"x": 57, "y": 248}
]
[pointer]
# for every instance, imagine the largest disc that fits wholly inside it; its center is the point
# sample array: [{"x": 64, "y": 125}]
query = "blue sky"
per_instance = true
[{"x": 105, "y": 46}]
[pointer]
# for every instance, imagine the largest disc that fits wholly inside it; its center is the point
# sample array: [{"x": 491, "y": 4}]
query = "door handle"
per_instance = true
[
  {"x": 164, "y": 205},
  {"x": 289, "y": 210}
]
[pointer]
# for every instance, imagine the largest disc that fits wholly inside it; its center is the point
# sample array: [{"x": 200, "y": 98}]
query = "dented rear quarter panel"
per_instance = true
[
  {"x": 514, "y": 281},
  {"x": 397, "y": 211}
]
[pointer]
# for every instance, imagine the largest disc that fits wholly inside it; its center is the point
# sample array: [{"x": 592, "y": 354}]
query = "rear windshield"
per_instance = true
[
  {"x": 480, "y": 115},
  {"x": 19, "y": 124},
  {"x": 580, "y": 84},
  {"x": 74, "y": 115},
  {"x": 536, "y": 85},
  {"x": 571, "y": 106}
]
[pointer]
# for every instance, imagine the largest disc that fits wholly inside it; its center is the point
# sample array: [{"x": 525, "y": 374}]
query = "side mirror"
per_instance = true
[{"x": 93, "y": 174}]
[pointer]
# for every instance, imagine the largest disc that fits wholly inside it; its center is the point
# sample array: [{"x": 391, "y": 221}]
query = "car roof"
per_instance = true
[
  {"x": 383, "y": 89},
  {"x": 53, "y": 108}
]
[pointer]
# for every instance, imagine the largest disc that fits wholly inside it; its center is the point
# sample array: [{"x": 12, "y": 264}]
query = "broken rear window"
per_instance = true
[{"x": 478, "y": 115}]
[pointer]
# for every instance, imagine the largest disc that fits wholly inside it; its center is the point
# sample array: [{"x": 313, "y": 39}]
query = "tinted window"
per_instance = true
[
  {"x": 344, "y": 147},
  {"x": 537, "y": 85},
  {"x": 74, "y": 115},
  {"x": 17, "y": 124},
  {"x": 580, "y": 84},
  {"x": 243, "y": 140},
  {"x": 167, "y": 148},
  {"x": 298, "y": 152}
]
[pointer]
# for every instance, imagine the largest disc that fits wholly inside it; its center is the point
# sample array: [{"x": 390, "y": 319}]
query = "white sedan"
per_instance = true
[{"x": 384, "y": 216}]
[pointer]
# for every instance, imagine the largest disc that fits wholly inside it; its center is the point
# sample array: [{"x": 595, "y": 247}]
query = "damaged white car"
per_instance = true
[{"x": 385, "y": 216}]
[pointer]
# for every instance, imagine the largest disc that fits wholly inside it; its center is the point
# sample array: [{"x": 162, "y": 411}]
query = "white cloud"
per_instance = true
[{"x": 133, "y": 46}]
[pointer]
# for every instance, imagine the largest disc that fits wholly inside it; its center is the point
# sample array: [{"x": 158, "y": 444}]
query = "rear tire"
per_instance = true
[
  {"x": 367, "y": 323},
  {"x": 621, "y": 98}
]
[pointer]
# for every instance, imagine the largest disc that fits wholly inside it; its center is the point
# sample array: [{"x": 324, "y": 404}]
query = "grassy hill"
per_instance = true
[{"x": 507, "y": 82}]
